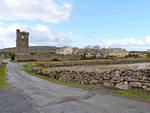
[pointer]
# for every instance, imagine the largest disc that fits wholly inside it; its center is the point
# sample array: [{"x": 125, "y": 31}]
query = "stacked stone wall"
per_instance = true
[
  {"x": 119, "y": 78},
  {"x": 39, "y": 57},
  {"x": 94, "y": 62}
]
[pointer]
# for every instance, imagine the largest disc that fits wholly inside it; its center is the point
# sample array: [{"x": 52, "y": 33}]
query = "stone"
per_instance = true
[
  {"x": 52, "y": 74},
  {"x": 129, "y": 73},
  {"x": 107, "y": 77},
  {"x": 144, "y": 81},
  {"x": 122, "y": 85},
  {"x": 144, "y": 87},
  {"x": 107, "y": 84},
  {"x": 148, "y": 89},
  {"x": 135, "y": 84},
  {"x": 94, "y": 81},
  {"x": 113, "y": 81},
  {"x": 132, "y": 79},
  {"x": 144, "y": 77}
]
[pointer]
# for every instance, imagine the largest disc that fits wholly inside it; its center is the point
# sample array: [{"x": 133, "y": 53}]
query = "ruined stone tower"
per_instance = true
[{"x": 22, "y": 42}]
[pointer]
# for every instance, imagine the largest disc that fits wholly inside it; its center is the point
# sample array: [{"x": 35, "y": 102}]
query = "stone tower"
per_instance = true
[{"x": 22, "y": 42}]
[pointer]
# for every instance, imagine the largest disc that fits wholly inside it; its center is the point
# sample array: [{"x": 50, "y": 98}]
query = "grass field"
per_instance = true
[
  {"x": 3, "y": 83},
  {"x": 59, "y": 81},
  {"x": 140, "y": 93},
  {"x": 7, "y": 57}
]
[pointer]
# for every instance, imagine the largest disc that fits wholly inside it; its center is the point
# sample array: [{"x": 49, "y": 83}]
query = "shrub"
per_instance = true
[
  {"x": 12, "y": 56},
  {"x": 82, "y": 57},
  {"x": 55, "y": 59},
  {"x": 53, "y": 52},
  {"x": 133, "y": 55},
  {"x": 0, "y": 53},
  {"x": 147, "y": 55}
]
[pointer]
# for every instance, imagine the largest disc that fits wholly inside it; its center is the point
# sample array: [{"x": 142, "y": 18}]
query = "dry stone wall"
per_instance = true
[
  {"x": 93, "y": 62},
  {"x": 119, "y": 78},
  {"x": 42, "y": 57}
]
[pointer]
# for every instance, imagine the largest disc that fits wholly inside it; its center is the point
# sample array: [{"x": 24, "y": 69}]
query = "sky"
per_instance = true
[{"x": 77, "y": 23}]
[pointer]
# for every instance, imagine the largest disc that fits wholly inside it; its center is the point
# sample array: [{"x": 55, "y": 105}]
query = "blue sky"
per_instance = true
[{"x": 109, "y": 23}]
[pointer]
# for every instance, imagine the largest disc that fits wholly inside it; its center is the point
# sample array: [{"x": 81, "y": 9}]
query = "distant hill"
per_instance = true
[{"x": 36, "y": 48}]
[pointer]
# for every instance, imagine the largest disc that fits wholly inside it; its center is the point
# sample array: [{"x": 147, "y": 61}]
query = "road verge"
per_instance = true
[
  {"x": 140, "y": 93},
  {"x": 3, "y": 81}
]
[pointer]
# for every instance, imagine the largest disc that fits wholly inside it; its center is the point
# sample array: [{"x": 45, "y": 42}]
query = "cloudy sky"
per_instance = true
[{"x": 108, "y": 23}]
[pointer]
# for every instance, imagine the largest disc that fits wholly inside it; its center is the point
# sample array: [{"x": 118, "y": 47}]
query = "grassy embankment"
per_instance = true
[
  {"x": 59, "y": 81},
  {"x": 3, "y": 83},
  {"x": 140, "y": 93}
]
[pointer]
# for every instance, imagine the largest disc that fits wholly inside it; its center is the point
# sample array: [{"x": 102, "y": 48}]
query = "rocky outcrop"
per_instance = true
[
  {"x": 93, "y": 62},
  {"x": 119, "y": 78}
]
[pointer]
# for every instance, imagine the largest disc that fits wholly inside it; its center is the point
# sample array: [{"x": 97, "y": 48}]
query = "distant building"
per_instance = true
[
  {"x": 118, "y": 52},
  {"x": 65, "y": 50}
]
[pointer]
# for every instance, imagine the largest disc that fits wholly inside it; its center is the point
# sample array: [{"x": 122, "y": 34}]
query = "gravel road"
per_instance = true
[{"x": 29, "y": 94}]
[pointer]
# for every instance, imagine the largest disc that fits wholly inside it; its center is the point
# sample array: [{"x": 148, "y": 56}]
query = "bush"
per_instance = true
[
  {"x": 12, "y": 56},
  {"x": 147, "y": 55},
  {"x": 53, "y": 52},
  {"x": 55, "y": 59},
  {"x": 133, "y": 55},
  {"x": 0, "y": 53},
  {"x": 82, "y": 57}
]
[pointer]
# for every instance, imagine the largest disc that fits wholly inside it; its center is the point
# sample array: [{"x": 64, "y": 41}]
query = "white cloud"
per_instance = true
[
  {"x": 80, "y": 36},
  {"x": 46, "y": 10},
  {"x": 70, "y": 33},
  {"x": 40, "y": 35},
  {"x": 124, "y": 42},
  {"x": 148, "y": 39}
]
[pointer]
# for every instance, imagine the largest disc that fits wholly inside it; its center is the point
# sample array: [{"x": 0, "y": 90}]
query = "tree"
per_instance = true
[
  {"x": 148, "y": 50},
  {"x": 86, "y": 49},
  {"x": 95, "y": 50}
]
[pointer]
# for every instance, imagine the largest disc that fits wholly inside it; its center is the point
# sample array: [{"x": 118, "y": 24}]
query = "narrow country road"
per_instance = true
[{"x": 29, "y": 94}]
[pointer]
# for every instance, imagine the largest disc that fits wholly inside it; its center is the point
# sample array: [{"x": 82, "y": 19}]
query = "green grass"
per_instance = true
[
  {"x": 7, "y": 57},
  {"x": 140, "y": 93},
  {"x": 3, "y": 83},
  {"x": 59, "y": 81}
]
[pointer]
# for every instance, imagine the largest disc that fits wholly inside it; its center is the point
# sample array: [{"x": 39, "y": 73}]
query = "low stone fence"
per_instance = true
[
  {"x": 1, "y": 60},
  {"x": 6, "y": 53},
  {"x": 39, "y": 57},
  {"x": 119, "y": 78},
  {"x": 93, "y": 62}
]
